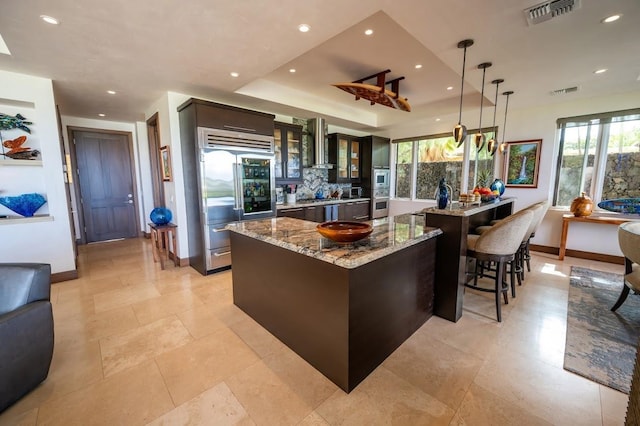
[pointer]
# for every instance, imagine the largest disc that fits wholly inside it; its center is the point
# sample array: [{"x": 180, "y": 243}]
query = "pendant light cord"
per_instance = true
[
  {"x": 484, "y": 71},
  {"x": 495, "y": 109},
  {"x": 506, "y": 109},
  {"x": 464, "y": 61}
]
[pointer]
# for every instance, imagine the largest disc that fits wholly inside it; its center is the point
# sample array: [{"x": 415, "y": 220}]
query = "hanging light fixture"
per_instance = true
[
  {"x": 492, "y": 145},
  {"x": 479, "y": 137},
  {"x": 503, "y": 145},
  {"x": 460, "y": 131}
]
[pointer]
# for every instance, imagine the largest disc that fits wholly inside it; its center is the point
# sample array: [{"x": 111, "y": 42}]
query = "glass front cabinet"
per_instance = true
[
  {"x": 288, "y": 147},
  {"x": 345, "y": 153}
]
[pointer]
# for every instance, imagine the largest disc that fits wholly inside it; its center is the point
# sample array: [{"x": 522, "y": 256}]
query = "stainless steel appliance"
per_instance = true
[
  {"x": 381, "y": 178},
  {"x": 237, "y": 183},
  {"x": 380, "y": 193}
]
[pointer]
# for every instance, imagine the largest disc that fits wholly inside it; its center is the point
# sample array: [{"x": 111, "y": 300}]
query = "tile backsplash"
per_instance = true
[{"x": 314, "y": 180}]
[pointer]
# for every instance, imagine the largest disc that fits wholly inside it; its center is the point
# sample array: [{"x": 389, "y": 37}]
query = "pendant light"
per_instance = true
[
  {"x": 503, "y": 145},
  {"x": 460, "y": 131},
  {"x": 479, "y": 137},
  {"x": 492, "y": 145}
]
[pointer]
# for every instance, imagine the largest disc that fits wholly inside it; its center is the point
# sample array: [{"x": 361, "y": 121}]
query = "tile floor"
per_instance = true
[{"x": 137, "y": 345}]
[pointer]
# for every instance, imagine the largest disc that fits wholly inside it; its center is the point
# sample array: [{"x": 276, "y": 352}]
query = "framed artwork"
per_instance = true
[
  {"x": 165, "y": 163},
  {"x": 521, "y": 163}
]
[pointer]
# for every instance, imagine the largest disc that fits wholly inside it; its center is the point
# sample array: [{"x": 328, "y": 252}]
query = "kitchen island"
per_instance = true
[
  {"x": 456, "y": 223},
  {"x": 342, "y": 307}
]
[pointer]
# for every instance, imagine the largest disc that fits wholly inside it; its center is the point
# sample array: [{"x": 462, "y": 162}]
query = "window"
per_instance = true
[
  {"x": 434, "y": 157},
  {"x": 599, "y": 155},
  {"x": 404, "y": 169}
]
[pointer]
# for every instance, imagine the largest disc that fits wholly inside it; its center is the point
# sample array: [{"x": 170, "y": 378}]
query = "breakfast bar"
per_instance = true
[
  {"x": 456, "y": 223},
  {"x": 342, "y": 307}
]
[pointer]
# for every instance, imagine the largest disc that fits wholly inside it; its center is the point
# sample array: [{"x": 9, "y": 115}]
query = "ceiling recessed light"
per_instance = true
[
  {"x": 111, "y": 92},
  {"x": 418, "y": 66},
  {"x": 292, "y": 70},
  {"x": 303, "y": 28},
  {"x": 234, "y": 74},
  {"x": 101, "y": 115},
  {"x": 450, "y": 88},
  {"x": 49, "y": 19},
  {"x": 437, "y": 119},
  {"x": 368, "y": 31},
  {"x": 611, "y": 18},
  {"x": 600, "y": 71}
]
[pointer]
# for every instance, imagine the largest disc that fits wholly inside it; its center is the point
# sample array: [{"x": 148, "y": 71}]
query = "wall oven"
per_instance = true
[
  {"x": 380, "y": 195},
  {"x": 381, "y": 178},
  {"x": 379, "y": 207}
]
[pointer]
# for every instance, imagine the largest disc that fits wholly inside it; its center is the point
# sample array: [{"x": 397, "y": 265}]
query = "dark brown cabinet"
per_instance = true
[
  {"x": 379, "y": 149},
  {"x": 345, "y": 152},
  {"x": 354, "y": 211},
  {"x": 288, "y": 148},
  {"x": 296, "y": 212},
  {"x": 314, "y": 213}
]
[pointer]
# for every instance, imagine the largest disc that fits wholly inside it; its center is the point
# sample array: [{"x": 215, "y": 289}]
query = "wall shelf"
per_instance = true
[
  {"x": 21, "y": 163},
  {"x": 18, "y": 219}
]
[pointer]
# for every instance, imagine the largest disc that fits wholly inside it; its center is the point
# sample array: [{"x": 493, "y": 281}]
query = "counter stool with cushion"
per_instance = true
[
  {"x": 629, "y": 240},
  {"x": 522, "y": 256},
  {"x": 537, "y": 220},
  {"x": 499, "y": 245}
]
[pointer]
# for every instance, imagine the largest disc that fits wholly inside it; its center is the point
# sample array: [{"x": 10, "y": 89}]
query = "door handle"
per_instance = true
[{"x": 224, "y": 253}]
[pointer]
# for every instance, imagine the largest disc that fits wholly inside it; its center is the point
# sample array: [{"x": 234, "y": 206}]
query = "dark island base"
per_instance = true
[
  {"x": 344, "y": 322},
  {"x": 451, "y": 274}
]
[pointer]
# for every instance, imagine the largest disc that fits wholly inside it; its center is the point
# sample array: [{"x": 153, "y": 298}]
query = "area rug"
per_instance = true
[{"x": 601, "y": 345}]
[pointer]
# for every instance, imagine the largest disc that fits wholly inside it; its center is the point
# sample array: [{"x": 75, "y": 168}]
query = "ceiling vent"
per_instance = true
[
  {"x": 565, "y": 90},
  {"x": 550, "y": 9}
]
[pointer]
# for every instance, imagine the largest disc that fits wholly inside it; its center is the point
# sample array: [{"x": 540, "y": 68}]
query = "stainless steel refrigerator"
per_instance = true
[{"x": 235, "y": 182}]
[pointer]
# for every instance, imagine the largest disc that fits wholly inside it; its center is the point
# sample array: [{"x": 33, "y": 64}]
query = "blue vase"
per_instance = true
[
  {"x": 160, "y": 216},
  {"x": 499, "y": 185},
  {"x": 443, "y": 194}
]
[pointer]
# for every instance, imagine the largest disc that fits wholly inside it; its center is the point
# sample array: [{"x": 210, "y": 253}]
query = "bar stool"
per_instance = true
[
  {"x": 522, "y": 256},
  {"x": 499, "y": 244},
  {"x": 537, "y": 220},
  {"x": 629, "y": 240}
]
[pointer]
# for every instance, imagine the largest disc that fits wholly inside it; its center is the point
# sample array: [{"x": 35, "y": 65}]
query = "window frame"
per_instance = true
[
  {"x": 469, "y": 147},
  {"x": 604, "y": 121}
]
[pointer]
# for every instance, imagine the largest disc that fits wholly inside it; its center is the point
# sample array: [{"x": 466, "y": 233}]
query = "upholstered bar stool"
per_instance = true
[
  {"x": 537, "y": 220},
  {"x": 523, "y": 255},
  {"x": 499, "y": 245},
  {"x": 629, "y": 240}
]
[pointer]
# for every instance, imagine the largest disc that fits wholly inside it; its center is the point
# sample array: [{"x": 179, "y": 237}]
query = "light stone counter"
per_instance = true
[
  {"x": 458, "y": 209},
  {"x": 390, "y": 234}
]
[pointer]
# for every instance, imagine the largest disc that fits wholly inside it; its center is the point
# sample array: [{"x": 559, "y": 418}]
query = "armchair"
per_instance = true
[{"x": 26, "y": 329}]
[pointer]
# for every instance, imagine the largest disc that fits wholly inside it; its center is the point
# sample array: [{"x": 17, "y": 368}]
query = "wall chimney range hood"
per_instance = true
[{"x": 317, "y": 127}]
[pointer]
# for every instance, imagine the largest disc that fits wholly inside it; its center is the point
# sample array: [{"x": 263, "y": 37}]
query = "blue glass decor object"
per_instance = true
[
  {"x": 160, "y": 216},
  {"x": 443, "y": 194},
  {"x": 25, "y": 205},
  {"x": 499, "y": 185},
  {"x": 621, "y": 205}
]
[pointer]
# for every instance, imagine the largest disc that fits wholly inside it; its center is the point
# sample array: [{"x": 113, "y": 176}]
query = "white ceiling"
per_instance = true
[{"x": 142, "y": 49}]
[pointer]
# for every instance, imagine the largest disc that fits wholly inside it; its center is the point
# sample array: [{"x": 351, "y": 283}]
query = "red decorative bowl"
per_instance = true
[{"x": 343, "y": 231}]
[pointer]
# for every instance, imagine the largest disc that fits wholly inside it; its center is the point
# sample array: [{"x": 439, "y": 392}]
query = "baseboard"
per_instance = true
[
  {"x": 64, "y": 276},
  {"x": 619, "y": 260}
]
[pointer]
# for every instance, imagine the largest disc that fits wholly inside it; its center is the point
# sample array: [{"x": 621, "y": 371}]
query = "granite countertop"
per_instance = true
[
  {"x": 458, "y": 209},
  {"x": 389, "y": 235},
  {"x": 318, "y": 202}
]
